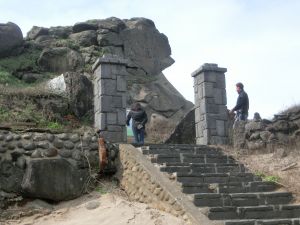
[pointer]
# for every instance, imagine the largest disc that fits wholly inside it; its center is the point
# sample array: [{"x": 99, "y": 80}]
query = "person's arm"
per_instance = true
[
  {"x": 240, "y": 102},
  {"x": 145, "y": 119},
  {"x": 128, "y": 118}
]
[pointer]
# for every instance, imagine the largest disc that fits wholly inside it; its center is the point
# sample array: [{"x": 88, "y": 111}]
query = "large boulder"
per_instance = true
[
  {"x": 59, "y": 31},
  {"x": 54, "y": 179},
  {"x": 37, "y": 31},
  {"x": 79, "y": 89},
  {"x": 184, "y": 132},
  {"x": 85, "y": 38},
  {"x": 145, "y": 46},
  {"x": 11, "y": 176},
  {"x": 164, "y": 105},
  {"x": 61, "y": 59},
  {"x": 11, "y": 37}
]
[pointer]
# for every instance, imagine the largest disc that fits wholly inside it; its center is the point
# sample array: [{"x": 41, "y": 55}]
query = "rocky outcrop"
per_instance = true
[
  {"x": 76, "y": 48},
  {"x": 79, "y": 90},
  {"x": 184, "y": 132},
  {"x": 61, "y": 59},
  {"x": 11, "y": 37}
]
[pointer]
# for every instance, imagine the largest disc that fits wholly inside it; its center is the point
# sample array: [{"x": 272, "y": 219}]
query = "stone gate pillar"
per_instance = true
[
  {"x": 210, "y": 104},
  {"x": 110, "y": 88}
]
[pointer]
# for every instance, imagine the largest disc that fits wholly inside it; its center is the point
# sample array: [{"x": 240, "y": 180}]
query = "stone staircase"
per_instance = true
[{"x": 223, "y": 188}]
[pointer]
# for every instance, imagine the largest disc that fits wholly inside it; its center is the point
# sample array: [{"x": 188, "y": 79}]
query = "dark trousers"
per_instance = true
[{"x": 138, "y": 135}]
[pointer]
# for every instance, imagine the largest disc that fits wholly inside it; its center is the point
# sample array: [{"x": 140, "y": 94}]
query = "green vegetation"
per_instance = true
[
  {"x": 27, "y": 61},
  {"x": 7, "y": 79},
  {"x": 67, "y": 43},
  {"x": 264, "y": 177}
]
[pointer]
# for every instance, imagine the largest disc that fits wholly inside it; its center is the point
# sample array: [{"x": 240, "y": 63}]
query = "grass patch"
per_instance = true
[
  {"x": 27, "y": 61},
  {"x": 265, "y": 177},
  {"x": 7, "y": 79}
]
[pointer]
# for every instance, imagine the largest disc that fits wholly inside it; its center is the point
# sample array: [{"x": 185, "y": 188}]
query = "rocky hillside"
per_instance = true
[{"x": 72, "y": 50}]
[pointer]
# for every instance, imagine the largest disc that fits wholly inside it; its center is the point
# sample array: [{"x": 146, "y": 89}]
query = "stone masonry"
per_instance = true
[
  {"x": 110, "y": 97},
  {"x": 210, "y": 104}
]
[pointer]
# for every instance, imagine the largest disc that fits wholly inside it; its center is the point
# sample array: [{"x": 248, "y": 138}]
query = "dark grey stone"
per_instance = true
[
  {"x": 53, "y": 179},
  {"x": 63, "y": 136},
  {"x": 11, "y": 146},
  {"x": 36, "y": 154},
  {"x": 10, "y": 177},
  {"x": 17, "y": 137},
  {"x": 29, "y": 146},
  {"x": 65, "y": 153},
  {"x": 58, "y": 144},
  {"x": 1, "y": 137},
  {"x": 43, "y": 145},
  {"x": 27, "y": 136},
  {"x": 69, "y": 145},
  {"x": 9, "y": 138},
  {"x": 21, "y": 163},
  {"x": 75, "y": 138},
  {"x": 51, "y": 152},
  {"x": 77, "y": 155},
  {"x": 50, "y": 137}
]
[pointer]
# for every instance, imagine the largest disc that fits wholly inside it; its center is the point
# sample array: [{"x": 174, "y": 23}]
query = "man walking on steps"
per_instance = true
[{"x": 242, "y": 104}]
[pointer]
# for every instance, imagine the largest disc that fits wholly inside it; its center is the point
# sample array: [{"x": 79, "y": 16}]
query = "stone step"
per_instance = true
[
  {"x": 191, "y": 158},
  {"x": 242, "y": 199},
  {"x": 216, "y": 177},
  {"x": 264, "y": 222},
  {"x": 254, "y": 212},
  {"x": 204, "y": 168},
  {"x": 193, "y": 150},
  {"x": 234, "y": 187}
]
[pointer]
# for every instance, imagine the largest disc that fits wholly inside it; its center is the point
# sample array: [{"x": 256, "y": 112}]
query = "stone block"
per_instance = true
[
  {"x": 220, "y": 124},
  {"x": 114, "y": 128},
  {"x": 121, "y": 117},
  {"x": 105, "y": 103},
  {"x": 124, "y": 101},
  {"x": 210, "y": 76},
  {"x": 100, "y": 121},
  {"x": 197, "y": 115},
  {"x": 117, "y": 101},
  {"x": 220, "y": 81},
  {"x": 105, "y": 71},
  {"x": 121, "y": 83},
  {"x": 114, "y": 137},
  {"x": 108, "y": 87},
  {"x": 208, "y": 89},
  {"x": 216, "y": 140},
  {"x": 218, "y": 96},
  {"x": 111, "y": 118}
]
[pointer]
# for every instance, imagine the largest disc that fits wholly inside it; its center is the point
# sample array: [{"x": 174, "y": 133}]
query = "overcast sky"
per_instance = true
[{"x": 257, "y": 41}]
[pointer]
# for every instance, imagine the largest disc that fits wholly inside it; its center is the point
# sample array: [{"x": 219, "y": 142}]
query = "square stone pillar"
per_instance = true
[
  {"x": 110, "y": 95},
  {"x": 210, "y": 105}
]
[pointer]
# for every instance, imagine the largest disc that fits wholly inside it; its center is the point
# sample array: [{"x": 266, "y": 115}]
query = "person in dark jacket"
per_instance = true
[
  {"x": 242, "y": 104},
  {"x": 139, "y": 119}
]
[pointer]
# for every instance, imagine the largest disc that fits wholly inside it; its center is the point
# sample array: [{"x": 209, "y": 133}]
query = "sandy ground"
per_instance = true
[
  {"x": 92, "y": 209},
  {"x": 272, "y": 164}
]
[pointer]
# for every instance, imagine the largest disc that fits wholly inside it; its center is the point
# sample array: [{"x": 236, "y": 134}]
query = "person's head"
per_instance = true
[
  {"x": 136, "y": 106},
  {"x": 239, "y": 87}
]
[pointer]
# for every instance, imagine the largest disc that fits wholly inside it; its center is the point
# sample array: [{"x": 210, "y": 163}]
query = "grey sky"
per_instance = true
[{"x": 257, "y": 41}]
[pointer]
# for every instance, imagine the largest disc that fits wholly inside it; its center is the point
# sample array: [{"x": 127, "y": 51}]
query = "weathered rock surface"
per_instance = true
[
  {"x": 145, "y": 46},
  {"x": 61, "y": 59},
  {"x": 54, "y": 179},
  {"x": 79, "y": 89},
  {"x": 36, "y": 32},
  {"x": 11, "y": 37},
  {"x": 184, "y": 132}
]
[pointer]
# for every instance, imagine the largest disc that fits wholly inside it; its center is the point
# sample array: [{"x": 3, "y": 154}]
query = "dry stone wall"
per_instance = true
[{"x": 54, "y": 166}]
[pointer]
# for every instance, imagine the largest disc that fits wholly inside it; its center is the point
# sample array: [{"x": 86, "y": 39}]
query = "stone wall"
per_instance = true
[
  {"x": 145, "y": 183},
  {"x": 210, "y": 105},
  {"x": 283, "y": 131},
  {"x": 110, "y": 98},
  {"x": 54, "y": 166}
]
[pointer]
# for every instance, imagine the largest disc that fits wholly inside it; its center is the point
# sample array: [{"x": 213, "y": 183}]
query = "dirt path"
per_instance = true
[{"x": 95, "y": 209}]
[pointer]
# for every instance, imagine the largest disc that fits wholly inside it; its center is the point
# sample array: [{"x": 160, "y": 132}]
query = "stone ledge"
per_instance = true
[
  {"x": 109, "y": 59},
  {"x": 145, "y": 183}
]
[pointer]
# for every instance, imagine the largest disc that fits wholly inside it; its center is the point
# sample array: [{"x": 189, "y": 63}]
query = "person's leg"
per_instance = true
[
  {"x": 142, "y": 132},
  {"x": 135, "y": 134}
]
